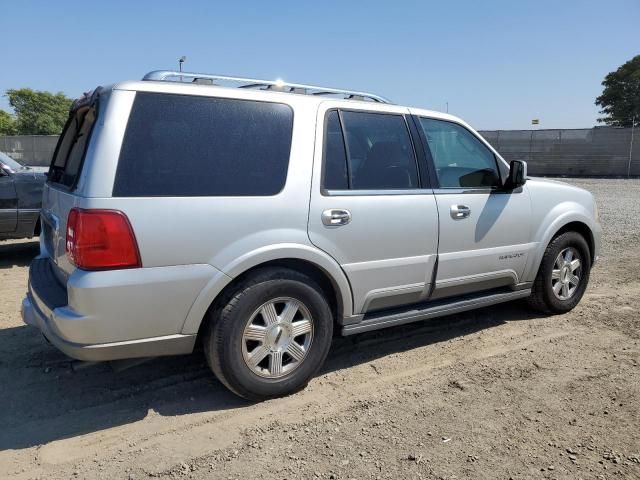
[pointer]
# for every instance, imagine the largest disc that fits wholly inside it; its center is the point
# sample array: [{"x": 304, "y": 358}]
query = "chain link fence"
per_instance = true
[{"x": 598, "y": 152}]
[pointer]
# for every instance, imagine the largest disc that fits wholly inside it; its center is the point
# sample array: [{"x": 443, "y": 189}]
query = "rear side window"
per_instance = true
[
  {"x": 178, "y": 145},
  {"x": 374, "y": 153},
  {"x": 72, "y": 146}
]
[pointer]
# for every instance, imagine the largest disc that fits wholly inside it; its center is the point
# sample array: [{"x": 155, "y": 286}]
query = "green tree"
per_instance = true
[
  {"x": 39, "y": 113},
  {"x": 7, "y": 124},
  {"x": 620, "y": 99}
]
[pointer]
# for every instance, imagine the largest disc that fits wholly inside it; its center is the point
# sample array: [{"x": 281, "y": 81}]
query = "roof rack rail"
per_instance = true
[{"x": 277, "y": 85}]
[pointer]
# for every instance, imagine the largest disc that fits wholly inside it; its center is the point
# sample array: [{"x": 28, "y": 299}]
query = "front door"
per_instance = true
[
  {"x": 8, "y": 203},
  {"x": 484, "y": 230},
  {"x": 371, "y": 208}
]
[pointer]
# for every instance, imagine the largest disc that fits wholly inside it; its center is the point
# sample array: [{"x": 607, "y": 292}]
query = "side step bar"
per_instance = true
[{"x": 440, "y": 308}]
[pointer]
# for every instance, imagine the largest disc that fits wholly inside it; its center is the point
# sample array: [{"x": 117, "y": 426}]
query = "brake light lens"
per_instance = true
[{"x": 101, "y": 240}]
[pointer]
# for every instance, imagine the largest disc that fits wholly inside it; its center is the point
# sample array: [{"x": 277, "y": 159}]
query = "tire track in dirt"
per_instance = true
[{"x": 155, "y": 442}]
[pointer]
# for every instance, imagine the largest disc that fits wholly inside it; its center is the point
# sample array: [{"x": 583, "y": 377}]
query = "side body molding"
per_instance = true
[{"x": 262, "y": 255}]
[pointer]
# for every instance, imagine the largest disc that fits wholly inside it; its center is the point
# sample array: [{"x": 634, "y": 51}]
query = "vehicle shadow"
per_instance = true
[
  {"x": 46, "y": 397},
  {"x": 18, "y": 253}
]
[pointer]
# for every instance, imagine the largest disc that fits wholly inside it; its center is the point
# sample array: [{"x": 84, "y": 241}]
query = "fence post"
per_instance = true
[
  {"x": 33, "y": 149},
  {"x": 633, "y": 127}
]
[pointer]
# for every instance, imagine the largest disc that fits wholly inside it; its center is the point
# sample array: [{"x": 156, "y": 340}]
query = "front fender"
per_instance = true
[
  {"x": 559, "y": 216},
  {"x": 260, "y": 256}
]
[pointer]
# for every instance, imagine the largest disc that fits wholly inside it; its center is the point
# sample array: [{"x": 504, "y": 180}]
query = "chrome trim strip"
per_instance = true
[
  {"x": 362, "y": 193},
  {"x": 462, "y": 191}
]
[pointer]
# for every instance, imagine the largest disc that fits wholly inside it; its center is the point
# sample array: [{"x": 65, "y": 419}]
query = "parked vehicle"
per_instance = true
[
  {"x": 20, "y": 199},
  {"x": 261, "y": 219}
]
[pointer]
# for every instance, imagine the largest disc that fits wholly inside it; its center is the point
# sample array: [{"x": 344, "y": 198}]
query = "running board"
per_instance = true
[{"x": 434, "y": 309}]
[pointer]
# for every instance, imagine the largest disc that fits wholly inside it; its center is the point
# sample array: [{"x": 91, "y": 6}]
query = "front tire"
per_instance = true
[
  {"x": 563, "y": 274},
  {"x": 271, "y": 335}
]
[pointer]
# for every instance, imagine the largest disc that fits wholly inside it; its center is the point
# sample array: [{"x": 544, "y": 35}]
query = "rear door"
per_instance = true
[
  {"x": 484, "y": 230},
  {"x": 372, "y": 208}
]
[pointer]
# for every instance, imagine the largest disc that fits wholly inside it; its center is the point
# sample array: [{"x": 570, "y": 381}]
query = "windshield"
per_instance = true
[{"x": 9, "y": 162}]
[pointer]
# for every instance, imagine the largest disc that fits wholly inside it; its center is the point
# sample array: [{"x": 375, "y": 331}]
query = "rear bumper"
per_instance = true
[
  {"x": 46, "y": 308},
  {"x": 146, "y": 347}
]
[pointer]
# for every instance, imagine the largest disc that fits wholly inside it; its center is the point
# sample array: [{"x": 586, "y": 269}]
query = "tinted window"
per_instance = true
[
  {"x": 461, "y": 160},
  {"x": 379, "y": 152},
  {"x": 178, "y": 145},
  {"x": 72, "y": 146},
  {"x": 335, "y": 157}
]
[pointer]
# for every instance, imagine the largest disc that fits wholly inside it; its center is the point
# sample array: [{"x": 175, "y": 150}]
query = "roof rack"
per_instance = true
[{"x": 277, "y": 85}]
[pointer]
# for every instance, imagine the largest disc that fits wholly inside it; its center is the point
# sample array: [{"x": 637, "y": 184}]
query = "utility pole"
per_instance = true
[
  {"x": 633, "y": 127},
  {"x": 447, "y": 107}
]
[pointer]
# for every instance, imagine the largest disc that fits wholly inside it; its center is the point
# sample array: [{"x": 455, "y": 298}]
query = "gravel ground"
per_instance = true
[
  {"x": 495, "y": 393},
  {"x": 618, "y": 205}
]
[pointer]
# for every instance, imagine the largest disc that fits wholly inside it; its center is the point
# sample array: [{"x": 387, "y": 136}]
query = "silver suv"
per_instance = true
[{"x": 260, "y": 220}]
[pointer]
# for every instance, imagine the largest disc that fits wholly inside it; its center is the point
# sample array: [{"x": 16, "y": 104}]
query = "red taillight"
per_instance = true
[{"x": 101, "y": 240}]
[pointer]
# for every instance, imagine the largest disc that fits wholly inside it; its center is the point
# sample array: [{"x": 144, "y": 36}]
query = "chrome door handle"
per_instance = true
[
  {"x": 336, "y": 217},
  {"x": 458, "y": 212}
]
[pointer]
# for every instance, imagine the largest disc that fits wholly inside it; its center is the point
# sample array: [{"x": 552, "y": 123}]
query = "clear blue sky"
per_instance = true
[{"x": 498, "y": 63}]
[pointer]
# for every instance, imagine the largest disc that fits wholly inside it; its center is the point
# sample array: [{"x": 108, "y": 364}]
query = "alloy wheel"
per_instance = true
[
  {"x": 277, "y": 337},
  {"x": 566, "y": 273}
]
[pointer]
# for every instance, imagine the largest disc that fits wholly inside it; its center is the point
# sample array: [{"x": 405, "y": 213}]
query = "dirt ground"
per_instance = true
[{"x": 496, "y": 393}]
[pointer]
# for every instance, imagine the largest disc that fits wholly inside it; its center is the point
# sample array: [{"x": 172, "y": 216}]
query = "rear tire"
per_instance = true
[
  {"x": 270, "y": 335},
  {"x": 563, "y": 275}
]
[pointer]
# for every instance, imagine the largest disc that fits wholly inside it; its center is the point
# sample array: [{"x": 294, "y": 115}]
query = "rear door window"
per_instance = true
[
  {"x": 179, "y": 145},
  {"x": 377, "y": 155},
  {"x": 335, "y": 174},
  {"x": 72, "y": 146}
]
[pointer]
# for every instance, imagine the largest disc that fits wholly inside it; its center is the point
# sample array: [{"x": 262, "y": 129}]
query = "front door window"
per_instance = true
[{"x": 460, "y": 159}]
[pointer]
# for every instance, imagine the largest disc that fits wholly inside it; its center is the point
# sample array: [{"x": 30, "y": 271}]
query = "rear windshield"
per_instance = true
[
  {"x": 180, "y": 145},
  {"x": 72, "y": 146}
]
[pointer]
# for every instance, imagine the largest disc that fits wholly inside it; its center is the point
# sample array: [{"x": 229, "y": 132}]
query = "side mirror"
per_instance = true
[{"x": 517, "y": 175}]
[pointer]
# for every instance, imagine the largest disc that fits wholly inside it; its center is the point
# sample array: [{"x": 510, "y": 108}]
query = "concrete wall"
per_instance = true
[
  {"x": 581, "y": 152},
  {"x": 33, "y": 150},
  {"x": 601, "y": 151}
]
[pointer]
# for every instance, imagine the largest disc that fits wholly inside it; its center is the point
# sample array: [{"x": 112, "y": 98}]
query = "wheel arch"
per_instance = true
[
  {"x": 581, "y": 228},
  {"x": 319, "y": 266},
  {"x": 574, "y": 220}
]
